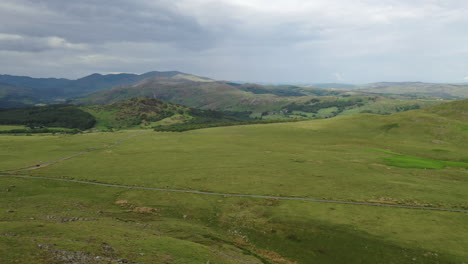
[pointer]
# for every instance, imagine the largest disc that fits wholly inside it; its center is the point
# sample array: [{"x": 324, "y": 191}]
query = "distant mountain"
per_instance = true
[
  {"x": 15, "y": 96},
  {"x": 190, "y": 91},
  {"x": 334, "y": 86},
  {"x": 39, "y": 90},
  {"x": 444, "y": 90},
  {"x": 287, "y": 90},
  {"x": 264, "y": 101}
]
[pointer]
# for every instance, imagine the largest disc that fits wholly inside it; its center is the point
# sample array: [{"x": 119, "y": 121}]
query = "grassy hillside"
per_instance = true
[
  {"x": 149, "y": 112},
  {"x": 457, "y": 110},
  {"x": 133, "y": 112},
  {"x": 366, "y": 157},
  {"x": 204, "y": 95}
]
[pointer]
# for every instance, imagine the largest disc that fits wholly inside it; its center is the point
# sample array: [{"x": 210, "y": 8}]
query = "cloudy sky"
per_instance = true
[{"x": 246, "y": 40}]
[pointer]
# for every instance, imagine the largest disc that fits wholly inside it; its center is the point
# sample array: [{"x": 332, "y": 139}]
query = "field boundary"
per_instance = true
[{"x": 240, "y": 195}]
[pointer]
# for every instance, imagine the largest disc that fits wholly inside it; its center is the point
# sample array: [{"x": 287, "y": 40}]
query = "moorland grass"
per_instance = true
[
  {"x": 312, "y": 159},
  {"x": 20, "y": 151},
  {"x": 319, "y": 159},
  {"x": 405, "y": 161},
  {"x": 189, "y": 228}
]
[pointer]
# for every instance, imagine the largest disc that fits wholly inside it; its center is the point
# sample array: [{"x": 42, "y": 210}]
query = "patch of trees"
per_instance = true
[
  {"x": 40, "y": 130},
  {"x": 212, "y": 116},
  {"x": 407, "y": 108},
  {"x": 314, "y": 105},
  {"x": 59, "y": 115},
  {"x": 276, "y": 90},
  {"x": 239, "y": 115},
  {"x": 192, "y": 126}
]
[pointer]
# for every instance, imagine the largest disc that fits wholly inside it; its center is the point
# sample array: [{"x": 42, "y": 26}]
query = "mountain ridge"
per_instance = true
[{"x": 53, "y": 90}]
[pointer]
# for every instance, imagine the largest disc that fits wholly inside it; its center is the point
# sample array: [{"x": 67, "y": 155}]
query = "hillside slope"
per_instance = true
[
  {"x": 15, "y": 96},
  {"x": 264, "y": 101},
  {"x": 457, "y": 110},
  {"x": 148, "y": 112},
  {"x": 204, "y": 95}
]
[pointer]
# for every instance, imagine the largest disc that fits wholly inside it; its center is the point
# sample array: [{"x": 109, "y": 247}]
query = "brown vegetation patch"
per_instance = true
[
  {"x": 137, "y": 209},
  {"x": 385, "y": 200},
  {"x": 122, "y": 202},
  {"x": 274, "y": 257},
  {"x": 144, "y": 210},
  {"x": 267, "y": 254}
]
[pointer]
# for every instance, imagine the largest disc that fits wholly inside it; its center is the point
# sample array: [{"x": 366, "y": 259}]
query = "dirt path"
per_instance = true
[
  {"x": 42, "y": 165},
  {"x": 243, "y": 195}
]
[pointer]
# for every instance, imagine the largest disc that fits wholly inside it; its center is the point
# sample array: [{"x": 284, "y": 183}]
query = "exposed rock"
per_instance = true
[
  {"x": 72, "y": 219},
  {"x": 69, "y": 257},
  {"x": 9, "y": 234},
  {"x": 107, "y": 247}
]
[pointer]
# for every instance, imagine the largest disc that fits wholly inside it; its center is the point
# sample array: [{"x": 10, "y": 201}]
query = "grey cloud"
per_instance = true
[
  {"x": 251, "y": 40},
  {"x": 106, "y": 21}
]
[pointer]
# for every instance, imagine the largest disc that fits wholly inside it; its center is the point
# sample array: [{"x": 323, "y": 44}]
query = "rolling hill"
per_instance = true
[
  {"x": 137, "y": 112},
  {"x": 444, "y": 90},
  {"x": 144, "y": 112},
  {"x": 264, "y": 101},
  {"x": 205, "y": 95}
]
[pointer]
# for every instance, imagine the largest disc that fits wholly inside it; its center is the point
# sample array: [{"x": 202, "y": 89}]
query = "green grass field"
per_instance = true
[{"x": 421, "y": 163}]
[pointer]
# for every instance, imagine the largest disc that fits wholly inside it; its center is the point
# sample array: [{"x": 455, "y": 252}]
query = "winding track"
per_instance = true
[
  {"x": 199, "y": 192},
  {"x": 240, "y": 195},
  {"x": 42, "y": 165}
]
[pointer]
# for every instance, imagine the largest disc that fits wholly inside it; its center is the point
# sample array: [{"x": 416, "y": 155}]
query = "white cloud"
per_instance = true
[
  {"x": 14, "y": 42},
  {"x": 10, "y": 37},
  {"x": 56, "y": 42},
  {"x": 338, "y": 76}
]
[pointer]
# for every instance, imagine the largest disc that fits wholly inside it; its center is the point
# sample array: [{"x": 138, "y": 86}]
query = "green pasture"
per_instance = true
[
  {"x": 20, "y": 151},
  {"x": 317, "y": 159},
  {"x": 421, "y": 162}
]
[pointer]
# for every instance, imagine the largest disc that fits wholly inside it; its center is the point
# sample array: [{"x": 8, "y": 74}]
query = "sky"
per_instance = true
[{"x": 288, "y": 41}]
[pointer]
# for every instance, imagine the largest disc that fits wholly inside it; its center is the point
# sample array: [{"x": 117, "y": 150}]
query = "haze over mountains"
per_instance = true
[{"x": 191, "y": 90}]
